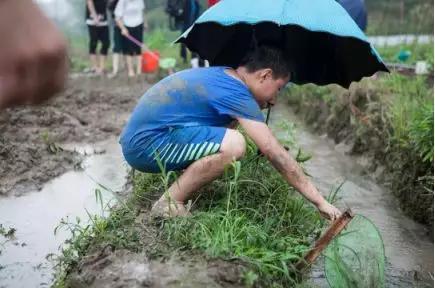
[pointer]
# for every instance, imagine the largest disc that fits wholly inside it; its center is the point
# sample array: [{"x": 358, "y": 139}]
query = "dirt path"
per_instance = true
[{"x": 90, "y": 110}]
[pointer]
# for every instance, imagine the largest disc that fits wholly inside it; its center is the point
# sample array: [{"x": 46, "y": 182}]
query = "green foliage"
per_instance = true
[
  {"x": 411, "y": 114},
  {"x": 421, "y": 132},
  {"x": 400, "y": 17},
  {"x": 117, "y": 231},
  {"x": 157, "y": 19},
  {"x": 263, "y": 223},
  {"x": 419, "y": 52},
  {"x": 7, "y": 233}
]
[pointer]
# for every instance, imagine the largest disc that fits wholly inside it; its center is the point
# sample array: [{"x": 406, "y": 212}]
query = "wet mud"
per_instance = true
[
  {"x": 107, "y": 267},
  {"x": 32, "y": 138},
  {"x": 123, "y": 268}
]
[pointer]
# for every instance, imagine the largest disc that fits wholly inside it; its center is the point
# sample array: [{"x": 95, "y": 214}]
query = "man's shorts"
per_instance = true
[{"x": 174, "y": 148}]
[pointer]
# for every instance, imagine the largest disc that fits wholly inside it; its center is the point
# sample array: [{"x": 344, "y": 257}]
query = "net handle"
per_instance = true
[
  {"x": 336, "y": 227},
  {"x": 141, "y": 45}
]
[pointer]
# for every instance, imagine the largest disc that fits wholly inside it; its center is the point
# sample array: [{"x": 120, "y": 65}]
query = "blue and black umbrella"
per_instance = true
[
  {"x": 321, "y": 40},
  {"x": 356, "y": 10}
]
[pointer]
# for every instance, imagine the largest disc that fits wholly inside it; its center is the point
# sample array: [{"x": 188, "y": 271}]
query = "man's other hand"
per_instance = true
[{"x": 33, "y": 60}]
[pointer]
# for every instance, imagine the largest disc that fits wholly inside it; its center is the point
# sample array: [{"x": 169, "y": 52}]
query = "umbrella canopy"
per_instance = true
[
  {"x": 323, "y": 43},
  {"x": 357, "y": 11}
]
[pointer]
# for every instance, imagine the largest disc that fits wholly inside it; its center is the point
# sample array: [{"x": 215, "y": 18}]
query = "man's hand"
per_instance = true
[
  {"x": 328, "y": 211},
  {"x": 286, "y": 165},
  {"x": 33, "y": 62}
]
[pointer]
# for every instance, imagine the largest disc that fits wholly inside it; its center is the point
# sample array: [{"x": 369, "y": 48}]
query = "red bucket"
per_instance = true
[{"x": 150, "y": 61}]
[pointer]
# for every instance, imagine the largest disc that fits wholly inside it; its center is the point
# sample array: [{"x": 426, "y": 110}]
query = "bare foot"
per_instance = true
[
  {"x": 112, "y": 75},
  {"x": 168, "y": 208}
]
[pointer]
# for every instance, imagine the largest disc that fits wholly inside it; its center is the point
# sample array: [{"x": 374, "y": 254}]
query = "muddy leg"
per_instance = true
[
  {"x": 102, "y": 64},
  {"x": 130, "y": 66},
  {"x": 205, "y": 170},
  {"x": 94, "y": 62},
  {"x": 138, "y": 65}
]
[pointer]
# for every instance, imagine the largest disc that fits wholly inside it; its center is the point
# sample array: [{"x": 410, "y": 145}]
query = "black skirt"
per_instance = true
[{"x": 128, "y": 46}]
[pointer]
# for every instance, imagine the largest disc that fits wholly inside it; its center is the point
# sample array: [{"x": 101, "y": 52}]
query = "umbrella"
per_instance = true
[
  {"x": 323, "y": 43},
  {"x": 357, "y": 11}
]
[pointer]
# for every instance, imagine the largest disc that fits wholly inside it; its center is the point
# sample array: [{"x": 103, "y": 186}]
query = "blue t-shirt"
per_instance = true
[{"x": 194, "y": 97}]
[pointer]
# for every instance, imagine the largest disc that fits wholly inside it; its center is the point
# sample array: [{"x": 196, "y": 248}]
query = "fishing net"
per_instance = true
[
  {"x": 356, "y": 257},
  {"x": 167, "y": 63}
]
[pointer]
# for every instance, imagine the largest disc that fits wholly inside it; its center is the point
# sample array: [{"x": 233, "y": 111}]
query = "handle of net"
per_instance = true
[
  {"x": 336, "y": 227},
  {"x": 141, "y": 45}
]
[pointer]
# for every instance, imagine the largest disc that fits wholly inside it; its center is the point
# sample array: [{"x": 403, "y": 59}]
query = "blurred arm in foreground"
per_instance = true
[{"x": 33, "y": 62}]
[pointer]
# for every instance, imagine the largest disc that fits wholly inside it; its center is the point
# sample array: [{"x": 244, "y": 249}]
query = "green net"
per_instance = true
[
  {"x": 356, "y": 257},
  {"x": 167, "y": 63}
]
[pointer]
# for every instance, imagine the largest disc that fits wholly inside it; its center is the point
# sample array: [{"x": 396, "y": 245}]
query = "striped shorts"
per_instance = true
[{"x": 175, "y": 149}]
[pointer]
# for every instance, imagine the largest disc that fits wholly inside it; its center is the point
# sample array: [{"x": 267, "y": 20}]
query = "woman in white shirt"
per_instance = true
[{"x": 131, "y": 20}]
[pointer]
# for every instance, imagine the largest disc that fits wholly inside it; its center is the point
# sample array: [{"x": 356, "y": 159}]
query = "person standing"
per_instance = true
[
  {"x": 117, "y": 38},
  {"x": 182, "y": 14},
  {"x": 96, "y": 20},
  {"x": 129, "y": 15},
  {"x": 191, "y": 13}
]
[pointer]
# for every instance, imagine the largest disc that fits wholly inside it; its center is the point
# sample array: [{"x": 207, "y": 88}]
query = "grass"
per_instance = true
[
  {"x": 418, "y": 52},
  {"x": 262, "y": 223},
  {"x": 410, "y": 122},
  {"x": 384, "y": 17},
  {"x": 265, "y": 224},
  {"x": 118, "y": 231}
]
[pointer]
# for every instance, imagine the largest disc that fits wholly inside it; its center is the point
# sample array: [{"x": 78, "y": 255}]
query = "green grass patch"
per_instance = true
[
  {"x": 418, "y": 52},
  {"x": 250, "y": 214},
  {"x": 410, "y": 114},
  {"x": 265, "y": 223}
]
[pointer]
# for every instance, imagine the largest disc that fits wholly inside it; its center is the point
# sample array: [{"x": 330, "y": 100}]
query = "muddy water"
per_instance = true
[
  {"x": 409, "y": 251},
  {"x": 23, "y": 260}
]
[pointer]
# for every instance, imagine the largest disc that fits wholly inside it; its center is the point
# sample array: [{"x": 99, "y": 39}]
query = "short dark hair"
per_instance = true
[{"x": 266, "y": 56}]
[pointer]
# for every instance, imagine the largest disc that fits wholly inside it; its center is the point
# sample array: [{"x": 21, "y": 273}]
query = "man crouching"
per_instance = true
[{"x": 182, "y": 123}]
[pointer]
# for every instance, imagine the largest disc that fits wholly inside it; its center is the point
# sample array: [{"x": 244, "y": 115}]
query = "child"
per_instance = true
[{"x": 182, "y": 122}]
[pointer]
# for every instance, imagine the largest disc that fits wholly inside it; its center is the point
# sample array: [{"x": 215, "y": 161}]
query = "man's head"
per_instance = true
[{"x": 267, "y": 72}]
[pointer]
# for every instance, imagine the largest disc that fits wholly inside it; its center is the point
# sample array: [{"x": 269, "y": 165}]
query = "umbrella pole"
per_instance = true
[
  {"x": 269, "y": 108},
  {"x": 268, "y": 114}
]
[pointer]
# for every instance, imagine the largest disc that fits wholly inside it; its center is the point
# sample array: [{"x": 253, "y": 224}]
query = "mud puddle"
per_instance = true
[
  {"x": 409, "y": 250},
  {"x": 88, "y": 111},
  {"x": 35, "y": 215}
]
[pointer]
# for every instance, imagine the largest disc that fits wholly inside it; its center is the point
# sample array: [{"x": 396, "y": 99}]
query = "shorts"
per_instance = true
[
  {"x": 128, "y": 46},
  {"x": 174, "y": 149},
  {"x": 98, "y": 34}
]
